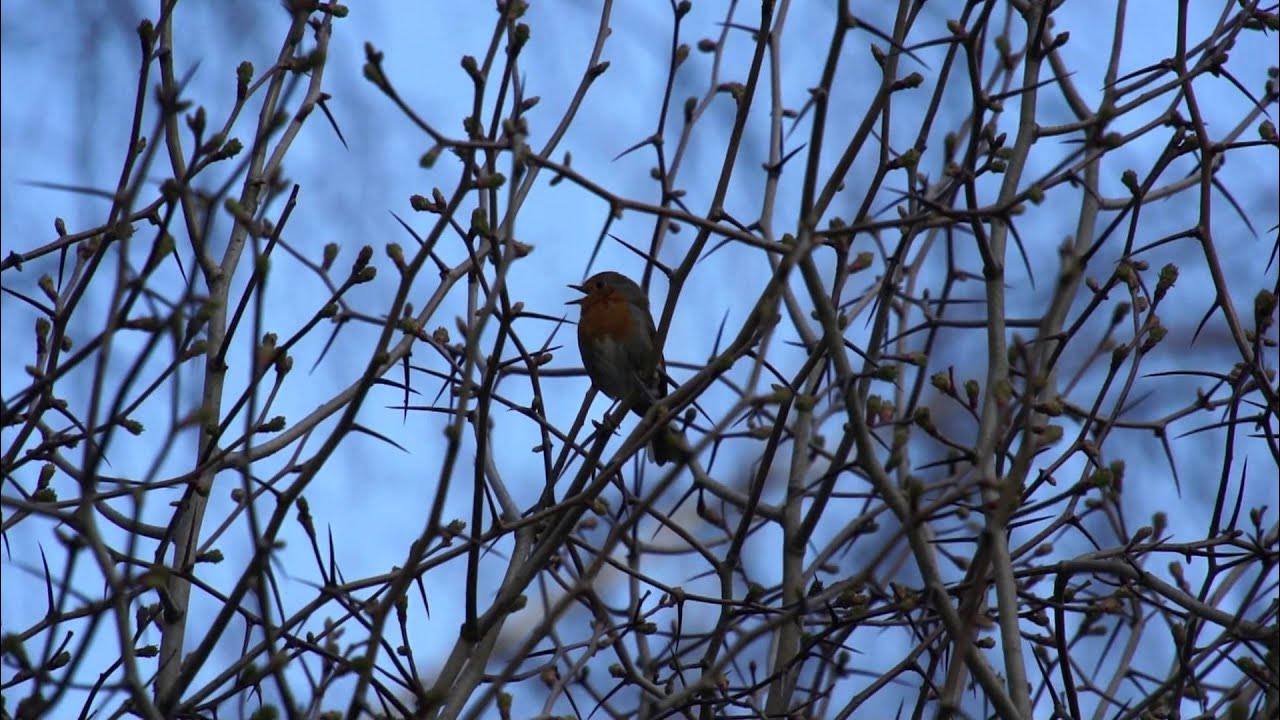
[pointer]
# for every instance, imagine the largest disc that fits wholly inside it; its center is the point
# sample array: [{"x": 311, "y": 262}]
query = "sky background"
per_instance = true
[{"x": 66, "y": 76}]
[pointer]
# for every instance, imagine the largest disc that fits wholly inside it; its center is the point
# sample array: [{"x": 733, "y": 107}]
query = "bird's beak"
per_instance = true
[{"x": 581, "y": 289}]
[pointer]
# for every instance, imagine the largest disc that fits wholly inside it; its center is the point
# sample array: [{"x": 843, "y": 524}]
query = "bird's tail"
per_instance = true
[{"x": 667, "y": 445}]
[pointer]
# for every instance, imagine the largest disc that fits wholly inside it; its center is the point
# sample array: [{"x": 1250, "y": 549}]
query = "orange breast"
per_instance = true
[{"x": 606, "y": 314}]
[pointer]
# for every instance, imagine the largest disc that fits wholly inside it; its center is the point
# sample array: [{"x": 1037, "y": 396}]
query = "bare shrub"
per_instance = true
[{"x": 969, "y": 316}]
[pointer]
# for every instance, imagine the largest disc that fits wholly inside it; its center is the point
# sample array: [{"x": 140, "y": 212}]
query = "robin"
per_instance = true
[{"x": 619, "y": 347}]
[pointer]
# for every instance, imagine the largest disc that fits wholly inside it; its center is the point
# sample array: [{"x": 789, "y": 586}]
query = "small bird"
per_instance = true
[{"x": 619, "y": 347}]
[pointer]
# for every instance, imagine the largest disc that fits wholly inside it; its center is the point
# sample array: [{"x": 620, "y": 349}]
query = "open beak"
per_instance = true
[{"x": 581, "y": 289}]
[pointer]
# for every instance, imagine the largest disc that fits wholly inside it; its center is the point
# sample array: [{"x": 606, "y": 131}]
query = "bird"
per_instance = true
[{"x": 619, "y": 347}]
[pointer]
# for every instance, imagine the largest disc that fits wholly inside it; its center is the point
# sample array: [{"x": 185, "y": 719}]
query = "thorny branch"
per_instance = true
[{"x": 912, "y": 460}]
